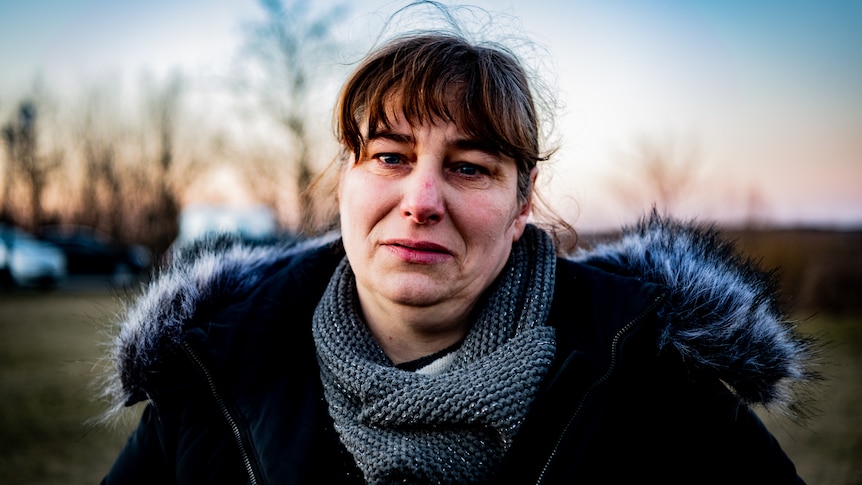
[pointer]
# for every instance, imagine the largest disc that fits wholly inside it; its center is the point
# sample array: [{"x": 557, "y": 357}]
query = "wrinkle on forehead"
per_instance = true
[{"x": 434, "y": 111}]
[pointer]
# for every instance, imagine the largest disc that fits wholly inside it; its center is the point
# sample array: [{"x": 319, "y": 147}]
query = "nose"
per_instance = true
[{"x": 422, "y": 201}]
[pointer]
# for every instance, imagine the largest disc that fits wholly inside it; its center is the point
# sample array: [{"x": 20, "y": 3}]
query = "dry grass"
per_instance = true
[
  {"x": 49, "y": 348},
  {"x": 48, "y": 353},
  {"x": 828, "y": 448}
]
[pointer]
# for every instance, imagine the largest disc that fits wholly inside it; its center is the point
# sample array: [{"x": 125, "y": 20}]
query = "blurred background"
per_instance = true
[{"x": 129, "y": 127}]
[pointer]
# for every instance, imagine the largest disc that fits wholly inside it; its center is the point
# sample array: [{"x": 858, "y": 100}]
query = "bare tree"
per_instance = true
[
  {"x": 162, "y": 109},
  {"x": 26, "y": 162},
  {"x": 288, "y": 47},
  {"x": 658, "y": 170},
  {"x": 8, "y": 175},
  {"x": 99, "y": 134}
]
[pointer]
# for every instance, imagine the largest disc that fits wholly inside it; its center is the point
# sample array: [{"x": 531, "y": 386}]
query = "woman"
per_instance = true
[{"x": 438, "y": 338}]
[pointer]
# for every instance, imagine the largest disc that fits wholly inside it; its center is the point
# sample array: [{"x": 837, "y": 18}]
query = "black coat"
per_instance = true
[{"x": 663, "y": 341}]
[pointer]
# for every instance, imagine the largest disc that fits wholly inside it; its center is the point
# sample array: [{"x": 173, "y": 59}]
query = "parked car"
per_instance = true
[
  {"x": 27, "y": 261},
  {"x": 249, "y": 223},
  {"x": 90, "y": 252}
]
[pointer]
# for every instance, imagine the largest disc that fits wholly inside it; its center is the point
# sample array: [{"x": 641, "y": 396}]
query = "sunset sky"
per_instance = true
[{"x": 768, "y": 92}]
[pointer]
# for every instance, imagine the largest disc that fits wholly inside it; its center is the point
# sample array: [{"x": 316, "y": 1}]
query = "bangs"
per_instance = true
[{"x": 433, "y": 78}]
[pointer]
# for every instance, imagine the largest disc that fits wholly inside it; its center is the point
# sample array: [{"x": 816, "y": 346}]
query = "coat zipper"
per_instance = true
[
  {"x": 234, "y": 427},
  {"x": 611, "y": 368}
]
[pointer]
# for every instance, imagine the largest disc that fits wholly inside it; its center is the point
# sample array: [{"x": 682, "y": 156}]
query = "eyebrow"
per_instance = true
[
  {"x": 396, "y": 137},
  {"x": 474, "y": 144},
  {"x": 461, "y": 143}
]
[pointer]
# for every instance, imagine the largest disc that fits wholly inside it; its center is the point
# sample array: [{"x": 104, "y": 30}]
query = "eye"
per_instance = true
[
  {"x": 469, "y": 169},
  {"x": 389, "y": 159}
]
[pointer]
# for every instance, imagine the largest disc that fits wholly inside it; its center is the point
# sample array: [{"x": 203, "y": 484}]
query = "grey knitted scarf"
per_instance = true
[{"x": 454, "y": 426}]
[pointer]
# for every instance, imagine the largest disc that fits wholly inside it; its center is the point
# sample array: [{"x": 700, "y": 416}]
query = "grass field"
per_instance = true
[
  {"x": 49, "y": 348},
  {"x": 49, "y": 345},
  {"x": 828, "y": 448}
]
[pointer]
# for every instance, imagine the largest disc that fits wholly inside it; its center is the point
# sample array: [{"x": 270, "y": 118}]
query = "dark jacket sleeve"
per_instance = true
[
  {"x": 684, "y": 427},
  {"x": 678, "y": 428},
  {"x": 653, "y": 431},
  {"x": 178, "y": 441},
  {"x": 143, "y": 459},
  {"x": 713, "y": 436}
]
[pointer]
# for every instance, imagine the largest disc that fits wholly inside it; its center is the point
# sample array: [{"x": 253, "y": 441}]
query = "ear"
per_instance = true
[{"x": 520, "y": 222}]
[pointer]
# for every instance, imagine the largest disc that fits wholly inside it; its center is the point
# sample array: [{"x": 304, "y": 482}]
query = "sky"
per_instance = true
[{"x": 767, "y": 93}]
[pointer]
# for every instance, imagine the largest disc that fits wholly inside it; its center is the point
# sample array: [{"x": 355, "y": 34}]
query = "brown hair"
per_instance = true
[{"x": 483, "y": 89}]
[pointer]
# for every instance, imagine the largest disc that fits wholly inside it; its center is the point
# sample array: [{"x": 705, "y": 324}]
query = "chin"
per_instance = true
[{"x": 413, "y": 294}]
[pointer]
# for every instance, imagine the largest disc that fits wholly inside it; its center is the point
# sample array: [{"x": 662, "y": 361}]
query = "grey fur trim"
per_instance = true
[
  {"x": 200, "y": 274},
  {"x": 721, "y": 316}
]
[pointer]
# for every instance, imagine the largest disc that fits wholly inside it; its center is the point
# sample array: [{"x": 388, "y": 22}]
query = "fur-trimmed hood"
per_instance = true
[
  {"x": 200, "y": 279},
  {"x": 721, "y": 314}
]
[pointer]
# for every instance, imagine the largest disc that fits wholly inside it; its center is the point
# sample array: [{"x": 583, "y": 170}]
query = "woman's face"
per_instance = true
[{"x": 428, "y": 215}]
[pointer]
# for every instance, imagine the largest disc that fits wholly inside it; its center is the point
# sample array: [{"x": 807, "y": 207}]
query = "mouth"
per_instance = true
[
  {"x": 420, "y": 246},
  {"x": 420, "y": 252}
]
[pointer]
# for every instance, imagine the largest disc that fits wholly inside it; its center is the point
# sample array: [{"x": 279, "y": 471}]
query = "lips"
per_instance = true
[{"x": 418, "y": 252}]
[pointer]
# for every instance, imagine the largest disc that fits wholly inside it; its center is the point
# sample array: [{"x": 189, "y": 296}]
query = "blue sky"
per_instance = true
[{"x": 770, "y": 90}]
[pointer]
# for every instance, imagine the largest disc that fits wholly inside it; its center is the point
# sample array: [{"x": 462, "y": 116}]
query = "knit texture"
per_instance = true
[{"x": 452, "y": 427}]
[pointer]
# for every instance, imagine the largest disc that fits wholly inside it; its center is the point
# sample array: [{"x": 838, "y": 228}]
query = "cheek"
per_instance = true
[
  {"x": 492, "y": 224},
  {"x": 351, "y": 224},
  {"x": 362, "y": 198},
  {"x": 347, "y": 202}
]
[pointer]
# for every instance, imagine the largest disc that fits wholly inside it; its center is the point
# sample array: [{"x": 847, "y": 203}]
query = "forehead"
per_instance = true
[
  {"x": 397, "y": 116},
  {"x": 399, "y": 129}
]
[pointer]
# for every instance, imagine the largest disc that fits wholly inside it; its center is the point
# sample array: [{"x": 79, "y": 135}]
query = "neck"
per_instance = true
[{"x": 407, "y": 333}]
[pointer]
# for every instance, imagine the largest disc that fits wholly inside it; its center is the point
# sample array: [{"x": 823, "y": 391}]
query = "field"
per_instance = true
[
  {"x": 49, "y": 346},
  {"x": 828, "y": 448},
  {"x": 49, "y": 350}
]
